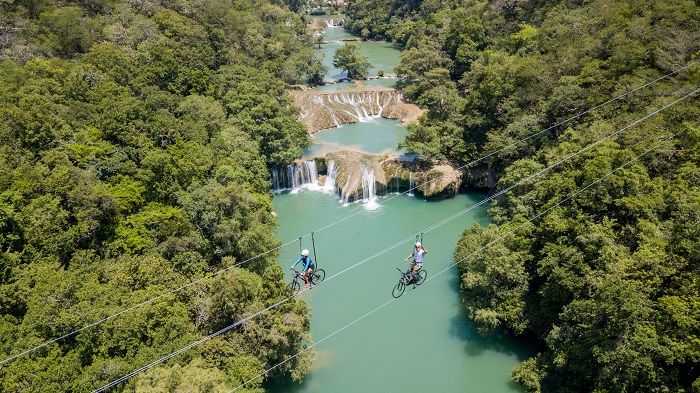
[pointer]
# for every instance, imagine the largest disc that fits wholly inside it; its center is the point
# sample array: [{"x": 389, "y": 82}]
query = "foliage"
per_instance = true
[
  {"x": 348, "y": 58},
  {"x": 136, "y": 140},
  {"x": 608, "y": 279}
]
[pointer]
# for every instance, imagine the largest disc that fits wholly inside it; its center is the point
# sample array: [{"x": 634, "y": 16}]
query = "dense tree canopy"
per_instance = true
[
  {"x": 136, "y": 137},
  {"x": 136, "y": 140},
  {"x": 609, "y": 279}
]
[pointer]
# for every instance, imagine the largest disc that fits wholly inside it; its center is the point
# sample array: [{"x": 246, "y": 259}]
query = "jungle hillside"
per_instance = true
[
  {"x": 587, "y": 115},
  {"x": 135, "y": 206},
  {"x": 136, "y": 138}
]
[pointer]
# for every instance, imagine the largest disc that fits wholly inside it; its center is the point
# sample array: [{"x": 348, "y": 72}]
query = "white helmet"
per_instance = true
[
  {"x": 305, "y": 253},
  {"x": 417, "y": 244}
]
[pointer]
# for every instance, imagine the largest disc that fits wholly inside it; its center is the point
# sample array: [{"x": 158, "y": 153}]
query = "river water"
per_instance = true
[
  {"x": 383, "y": 56},
  {"x": 374, "y": 136},
  {"x": 366, "y": 340}
]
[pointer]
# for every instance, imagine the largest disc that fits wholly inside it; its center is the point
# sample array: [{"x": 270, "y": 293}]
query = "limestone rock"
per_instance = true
[{"x": 324, "y": 110}]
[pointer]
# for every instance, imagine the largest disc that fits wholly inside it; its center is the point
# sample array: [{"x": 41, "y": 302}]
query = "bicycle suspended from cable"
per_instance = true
[
  {"x": 416, "y": 277},
  {"x": 415, "y": 274},
  {"x": 315, "y": 277}
]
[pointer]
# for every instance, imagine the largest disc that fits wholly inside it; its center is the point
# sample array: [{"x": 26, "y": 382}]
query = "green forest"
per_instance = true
[
  {"x": 609, "y": 279},
  {"x": 137, "y": 137},
  {"x": 136, "y": 140}
]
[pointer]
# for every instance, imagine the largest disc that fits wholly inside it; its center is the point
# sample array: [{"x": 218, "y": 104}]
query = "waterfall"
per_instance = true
[
  {"x": 330, "y": 110},
  {"x": 329, "y": 185},
  {"x": 294, "y": 175},
  {"x": 365, "y": 184},
  {"x": 355, "y": 105},
  {"x": 410, "y": 183},
  {"x": 331, "y": 113},
  {"x": 333, "y": 23},
  {"x": 369, "y": 192},
  {"x": 350, "y": 186},
  {"x": 360, "y": 181}
]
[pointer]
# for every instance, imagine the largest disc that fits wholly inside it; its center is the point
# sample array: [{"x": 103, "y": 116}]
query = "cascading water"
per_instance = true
[
  {"x": 360, "y": 184},
  {"x": 294, "y": 175},
  {"x": 309, "y": 175},
  {"x": 333, "y": 22},
  {"x": 369, "y": 191},
  {"x": 411, "y": 184},
  {"x": 329, "y": 185},
  {"x": 330, "y": 110},
  {"x": 350, "y": 184},
  {"x": 362, "y": 187}
]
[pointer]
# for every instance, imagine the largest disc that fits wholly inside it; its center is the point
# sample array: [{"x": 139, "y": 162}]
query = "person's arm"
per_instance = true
[
  {"x": 410, "y": 256},
  {"x": 295, "y": 263}
]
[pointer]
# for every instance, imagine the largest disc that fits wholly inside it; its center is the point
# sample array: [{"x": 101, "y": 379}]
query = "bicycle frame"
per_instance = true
[{"x": 405, "y": 280}]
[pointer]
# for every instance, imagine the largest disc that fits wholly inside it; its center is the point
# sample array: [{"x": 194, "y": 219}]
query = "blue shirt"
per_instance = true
[{"x": 308, "y": 262}]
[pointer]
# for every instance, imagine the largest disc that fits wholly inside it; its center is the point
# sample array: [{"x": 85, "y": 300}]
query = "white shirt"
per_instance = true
[{"x": 418, "y": 255}]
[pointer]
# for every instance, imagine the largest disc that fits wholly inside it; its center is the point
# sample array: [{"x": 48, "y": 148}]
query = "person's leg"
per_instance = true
[
  {"x": 414, "y": 271},
  {"x": 306, "y": 276}
]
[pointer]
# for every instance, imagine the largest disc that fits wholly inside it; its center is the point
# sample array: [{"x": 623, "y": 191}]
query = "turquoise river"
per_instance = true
[{"x": 366, "y": 340}]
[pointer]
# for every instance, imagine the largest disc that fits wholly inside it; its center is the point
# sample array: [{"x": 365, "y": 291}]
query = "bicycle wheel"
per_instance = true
[
  {"x": 422, "y": 274},
  {"x": 398, "y": 289},
  {"x": 317, "y": 276},
  {"x": 294, "y": 287}
]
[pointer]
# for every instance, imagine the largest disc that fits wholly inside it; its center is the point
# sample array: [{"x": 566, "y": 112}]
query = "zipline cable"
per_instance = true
[
  {"x": 183, "y": 349},
  {"x": 145, "y": 302},
  {"x": 325, "y": 227},
  {"x": 471, "y": 163},
  {"x": 133, "y": 373},
  {"x": 589, "y": 185}
]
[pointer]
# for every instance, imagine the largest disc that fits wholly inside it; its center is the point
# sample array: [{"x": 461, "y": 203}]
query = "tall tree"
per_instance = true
[{"x": 348, "y": 58}]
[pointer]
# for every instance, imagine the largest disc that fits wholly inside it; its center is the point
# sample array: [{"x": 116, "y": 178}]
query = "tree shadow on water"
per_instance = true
[
  {"x": 287, "y": 385},
  {"x": 501, "y": 341}
]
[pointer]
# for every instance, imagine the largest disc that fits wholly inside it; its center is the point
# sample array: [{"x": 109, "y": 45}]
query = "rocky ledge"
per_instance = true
[
  {"x": 351, "y": 171},
  {"x": 324, "y": 110}
]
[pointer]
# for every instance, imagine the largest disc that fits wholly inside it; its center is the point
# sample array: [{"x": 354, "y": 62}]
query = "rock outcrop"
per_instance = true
[
  {"x": 352, "y": 171},
  {"x": 354, "y": 175},
  {"x": 324, "y": 110}
]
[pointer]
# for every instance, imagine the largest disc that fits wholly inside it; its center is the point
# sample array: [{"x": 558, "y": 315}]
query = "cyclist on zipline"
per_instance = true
[
  {"x": 308, "y": 266},
  {"x": 418, "y": 256}
]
